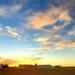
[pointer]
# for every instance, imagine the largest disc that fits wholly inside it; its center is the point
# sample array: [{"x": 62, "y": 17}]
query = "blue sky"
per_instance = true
[{"x": 32, "y": 31}]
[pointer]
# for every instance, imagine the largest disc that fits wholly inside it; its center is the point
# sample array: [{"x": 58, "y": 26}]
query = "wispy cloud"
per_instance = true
[
  {"x": 65, "y": 44},
  {"x": 62, "y": 44},
  {"x": 0, "y": 29},
  {"x": 41, "y": 39},
  {"x": 45, "y": 41},
  {"x": 35, "y": 58},
  {"x": 45, "y": 46},
  {"x": 59, "y": 45},
  {"x": 6, "y": 11},
  {"x": 72, "y": 31},
  {"x": 56, "y": 28},
  {"x": 15, "y": 8},
  {"x": 57, "y": 36},
  {"x": 47, "y": 38},
  {"x": 12, "y": 31},
  {"x": 2, "y": 11}
]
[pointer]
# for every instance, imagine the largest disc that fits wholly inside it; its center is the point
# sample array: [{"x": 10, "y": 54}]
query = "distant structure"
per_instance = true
[
  {"x": 29, "y": 66},
  {"x": 57, "y": 66},
  {"x": 43, "y": 66},
  {"x": 21, "y": 66},
  {"x": 26, "y": 66}
]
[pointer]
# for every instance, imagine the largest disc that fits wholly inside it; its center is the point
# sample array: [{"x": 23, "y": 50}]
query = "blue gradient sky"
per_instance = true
[{"x": 37, "y": 31}]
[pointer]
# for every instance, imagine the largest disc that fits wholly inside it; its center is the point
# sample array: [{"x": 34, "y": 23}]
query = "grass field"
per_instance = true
[{"x": 57, "y": 71}]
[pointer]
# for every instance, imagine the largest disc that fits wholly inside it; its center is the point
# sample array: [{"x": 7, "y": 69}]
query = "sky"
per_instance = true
[{"x": 37, "y": 31}]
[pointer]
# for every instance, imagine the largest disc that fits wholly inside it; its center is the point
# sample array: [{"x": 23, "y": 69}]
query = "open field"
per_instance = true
[{"x": 57, "y": 71}]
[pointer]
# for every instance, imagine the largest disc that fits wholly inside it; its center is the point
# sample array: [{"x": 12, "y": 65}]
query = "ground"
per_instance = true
[{"x": 54, "y": 71}]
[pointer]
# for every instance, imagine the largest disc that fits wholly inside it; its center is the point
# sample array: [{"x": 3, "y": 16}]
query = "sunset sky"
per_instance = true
[{"x": 37, "y": 31}]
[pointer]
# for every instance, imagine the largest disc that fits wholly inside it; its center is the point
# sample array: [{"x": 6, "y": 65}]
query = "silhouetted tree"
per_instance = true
[
  {"x": 35, "y": 65},
  {"x": 5, "y": 66}
]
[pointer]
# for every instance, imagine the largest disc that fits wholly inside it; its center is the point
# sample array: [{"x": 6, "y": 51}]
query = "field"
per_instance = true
[{"x": 55, "y": 71}]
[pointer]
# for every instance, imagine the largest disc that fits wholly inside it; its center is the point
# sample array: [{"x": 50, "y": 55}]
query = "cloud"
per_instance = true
[
  {"x": 0, "y": 58},
  {"x": 45, "y": 41},
  {"x": 2, "y": 12},
  {"x": 62, "y": 44},
  {"x": 53, "y": 43},
  {"x": 29, "y": 45},
  {"x": 50, "y": 17},
  {"x": 6, "y": 11},
  {"x": 56, "y": 28},
  {"x": 0, "y": 29},
  {"x": 15, "y": 8},
  {"x": 35, "y": 58},
  {"x": 47, "y": 38},
  {"x": 8, "y": 61},
  {"x": 37, "y": 54},
  {"x": 46, "y": 46},
  {"x": 36, "y": 34},
  {"x": 12, "y": 31},
  {"x": 72, "y": 31},
  {"x": 40, "y": 53},
  {"x": 59, "y": 45},
  {"x": 65, "y": 44},
  {"x": 42, "y": 39},
  {"x": 66, "y": 3},
  {"x": 9, "y": 31},
  {"x": 57, "y": 36}
]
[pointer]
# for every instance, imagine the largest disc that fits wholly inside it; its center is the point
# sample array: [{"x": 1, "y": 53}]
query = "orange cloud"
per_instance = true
[
  {"x": 50, "y": 17},
  {"x": 8, "y": 61},
  {"x": 65, "y": 44},
  {"x": 61, "y": 44},
  {"x": 58, "y": 45}
]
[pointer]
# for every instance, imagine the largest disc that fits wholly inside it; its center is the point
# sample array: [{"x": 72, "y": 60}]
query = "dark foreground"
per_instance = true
[{"x": 57, "y": 71}]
